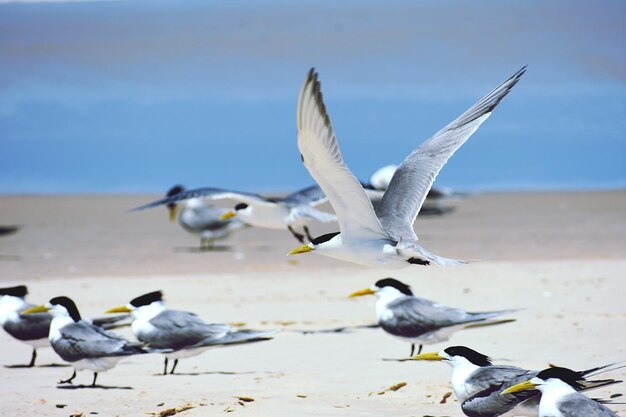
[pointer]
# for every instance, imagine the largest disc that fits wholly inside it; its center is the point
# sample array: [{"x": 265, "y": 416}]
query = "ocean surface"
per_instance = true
[{"x": 135, "y": 96}]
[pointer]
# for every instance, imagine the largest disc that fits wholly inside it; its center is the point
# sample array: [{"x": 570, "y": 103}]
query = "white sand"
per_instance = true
[{"x": 560, "y": 256}]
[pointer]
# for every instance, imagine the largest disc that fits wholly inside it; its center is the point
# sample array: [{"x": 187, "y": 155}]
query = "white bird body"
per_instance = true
[
  {"x": 552, "y": 391},
  {"x": 383, "y": 237},
  {"x": 270, "y": 217}
]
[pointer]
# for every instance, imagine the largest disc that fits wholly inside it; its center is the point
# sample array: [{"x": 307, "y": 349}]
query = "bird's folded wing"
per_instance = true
[
  {"x": 414, "y": 177},
  {"x": 413, "y": 316},
  {"x": 576, "y": 405},
  {"x": 179, "y": 329},
  {"x": 84, "y": 340},
  {"x": 209, "y": 194},
  {"x": 322, "y": 158}
]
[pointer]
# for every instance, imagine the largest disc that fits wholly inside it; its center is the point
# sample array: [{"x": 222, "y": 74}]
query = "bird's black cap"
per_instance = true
[
  {"x": 572, "y": 378},
  {"x": 69, "y": 306},
  {"x": 241, "y": 206},
  {"x": 17, "y": 291},
  {"x": 391, "y": 282},
  {"x": 470, "y": 354},
  {"x": 324, "y": 238},
  {"x": 147, "y": 299},
  {"x": 175, "y": 190}
]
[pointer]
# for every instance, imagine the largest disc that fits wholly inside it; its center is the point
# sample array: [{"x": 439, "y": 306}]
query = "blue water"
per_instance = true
[{"x": 136, "y": 96}]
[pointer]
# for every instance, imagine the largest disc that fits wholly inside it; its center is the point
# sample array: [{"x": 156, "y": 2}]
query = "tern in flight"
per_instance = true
[
  {"x": 293, "y": 211},
  {"x": 385, "y": 236}
]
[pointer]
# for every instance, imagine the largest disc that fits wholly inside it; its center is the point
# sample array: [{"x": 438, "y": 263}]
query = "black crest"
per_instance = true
[
  {"x": 69, "y": 306},
  {"x": 147, "y": 299},
  {"x": 324, "y": 238},
  {"x": 566, "y": 375},
  {"x": 390, "y": 282},
  {"x": 175, "y": 190},
  {"x": 241, "y": 206},
  {"x": 470, "y": 354},
  {"x": 18, "y": 291}
]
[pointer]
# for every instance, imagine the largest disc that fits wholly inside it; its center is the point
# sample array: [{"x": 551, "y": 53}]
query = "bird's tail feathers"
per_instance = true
[
  {"x": 488, "y": 323},
  {"x": 240, "y": 337}
]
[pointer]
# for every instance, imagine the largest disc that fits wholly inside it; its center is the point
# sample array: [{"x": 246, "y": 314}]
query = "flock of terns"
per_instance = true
[{"x": 375, "y": 229}]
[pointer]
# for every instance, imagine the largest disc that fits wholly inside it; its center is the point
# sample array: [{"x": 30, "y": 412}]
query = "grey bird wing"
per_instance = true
[
  {"x": 309, "y": 196},
  {"x": 210, "y": 194},
  {"x": 577, "y": 405},
  {"x": 488, "y": 383},
  {"x": 180, "y": 329},
  {"x": 83, "y": 340},
  {"x": 414, "y": 177},
  {"x": 238, "y": 337},
  {"x": 204, "y": 217},
  {"x": 414, "y": 316},
  {"x": 322, "y": 158},
  {"x": 29, "y": 326}
]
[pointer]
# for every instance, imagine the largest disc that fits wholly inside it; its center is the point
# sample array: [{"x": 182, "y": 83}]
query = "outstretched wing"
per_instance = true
[
  {"x": 210, "y": 194},
  {"x": 309, "y": 196},
  {"x": 322, "y": 158},
  {"x": 414, "y": 177}
]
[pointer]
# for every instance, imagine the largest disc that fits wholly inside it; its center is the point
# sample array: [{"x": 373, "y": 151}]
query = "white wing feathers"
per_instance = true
[
  {"x": 322, "y": 158},
  {"x": 414, "y": 177}
]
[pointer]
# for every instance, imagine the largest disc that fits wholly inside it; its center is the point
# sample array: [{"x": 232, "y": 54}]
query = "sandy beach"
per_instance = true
[{"x": 560, "y": 256}]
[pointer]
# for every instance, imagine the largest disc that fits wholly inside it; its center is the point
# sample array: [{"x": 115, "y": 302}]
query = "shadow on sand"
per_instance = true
[
  {"x": 105, "y": 387},
  {"x": 49, "y": 365},
  {"x": 195, "y": 249}
]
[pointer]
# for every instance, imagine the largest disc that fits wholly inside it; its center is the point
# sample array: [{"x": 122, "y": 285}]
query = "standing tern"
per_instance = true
[
  {"x": 480, "y": 386},
  {"x": 199, "y": 218},
  {"x": 31, "y": 329},
  {"x": 385, "y": 236},
  {"x": 81, "y": 343},
  {"x": 418, "y": 320},
  {"x": 559, "y": 394},
  {"x": 294, "y": 210},
  {"x": 182, "y": 333}
]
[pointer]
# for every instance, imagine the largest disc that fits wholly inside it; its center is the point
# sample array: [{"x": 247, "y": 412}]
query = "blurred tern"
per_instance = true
[
  {"x": 182, "y": 333},
  {"x": 81, "y": 343},
  {"x": 31, "y": 329},
  {"x": 559, "y": 394},
  {"x": 294, "y": 210},
  {"x": 199, "y": 218},
  {"x": 480, "y": 386},
  {"x": 418, "y": 320},
  {"x": 385, "y": 236}
]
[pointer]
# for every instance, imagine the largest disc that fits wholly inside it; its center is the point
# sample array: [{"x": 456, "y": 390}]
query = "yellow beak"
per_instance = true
[
  {"x": 37, "y": 309},
  {"x": 228, "y": 215},
  {"x": 429, "y": 356},
  {"x": 121, "y": 309},
  {"x": 173, "y": 210},
  {"x": 300, "y": 249},
  {"x": 366, "y": 291},
  {"x": 522, "y": 386}
]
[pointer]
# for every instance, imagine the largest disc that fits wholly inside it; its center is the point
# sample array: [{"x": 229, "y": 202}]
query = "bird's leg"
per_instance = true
[
  {"x": 174, "y": 367},
  {"x": 32, "y": 358},
  {"x": 165, "y": 368},
  {"x": 308, "y": 234},
  {"x": 412, "y": 349},
  {"x": 419, "y": 349},
  {"x": 95, "y": 376},
  {"x": 297, "y": 235},
  {"x": 69, "y": 381}
]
